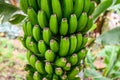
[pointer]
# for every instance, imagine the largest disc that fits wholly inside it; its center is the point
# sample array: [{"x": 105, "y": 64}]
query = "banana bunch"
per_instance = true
[{"x": 54, "y": 36}]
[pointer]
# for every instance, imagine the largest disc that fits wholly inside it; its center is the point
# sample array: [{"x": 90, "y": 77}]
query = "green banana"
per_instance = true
[
  {"x": 49, "y": 76},
  {"x": 64, "y": 46},
  {"x": 40, "y": 67},
  {"x": 81, "y": 54},
  {"x": 73, "y": 73},
  {"x": 67, "y": 66},
  {"x": 49, "y": 55},
  {"x": 29, "y": 75},
  {"x": 46, "y": 7},
  {"x": 79, "y": 41},
  {"x": 28, "y": 40},
  {"x": 24, "y": 5},
  {"x": 28, "y": 67},
  {"x": 92, "y": 8},
  {"x": 55, "y": 77},
  {"x": 82, "y": 22},
  {"x": 61, "y": 62},
  {"x": 33, "y": 4},
  {"x": 23, "y": 41},
  {"x": 78, "y": 7},
  {"x": 58, "y": 71},
  {"x": 64, "y": 77},
  {"x": 72, "y": 24},
  {"x": 24, "y": 27},
  {"x": 56, "y": 6},
  {"x": 33, "y": 47},
  {"x": 86, "y": 6},
  {"x": 74, "y": 59},
  {"x": 68, "y": 8},
  {"x": 53, "y": 37},
  {"x": 63, "y": 27},
  {"x": 29, "y": 28},
  {"x": 47, "y": 35},
  {"x": 33, "y": 59},
  {"x": 88, "y": 25},
  {"x": 53, "y": 23},
  {"x": 32, "y": 15},
  {"x": 48, "y": 68},
  {"x": 54, "y": 45},
  {"x": 42, "y": 47},
  {"x": 84, "y": 42},
  {"x": 39, "y": 3},
  {"x": 37, "y": 76},
  {"x": 28, "y": 54},
  {"x": 42, "y": 19},
  {"x": 37, "y": 33},
  {"x": 73, "y": 44}
]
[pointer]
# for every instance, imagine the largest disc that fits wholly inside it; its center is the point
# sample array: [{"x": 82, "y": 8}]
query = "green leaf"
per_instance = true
[
  {"x": 112, "y": 61},
  {"x": 91, "y": 73},
  {"x": 111, "y": 54},
  {"x": 90, "y": 60},
  {"x": 117, "y": 65},
  {"x": 101, "y": 78},
  {"x": 95, "y": 75},
  {"x": 6, "y": 10},
  {"x": 115, "y": 8},
  {"x": 111, "y": 37},
  {"x": 17, "y": 18},
  {"x": 115, "y": 75},
  {"x": 101, "y": 8}
]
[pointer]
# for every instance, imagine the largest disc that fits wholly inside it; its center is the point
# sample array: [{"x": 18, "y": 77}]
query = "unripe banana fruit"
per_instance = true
[
  {"x": 64, "y": 27},
  {"x": 59, "y": 71},
  {"x": 54, "y": 45},
  {"x": 47, "y": 35},
  {"x": 49, "y": 55},
  {"x": 54, "y": 37},
  {"x": 64, "y": 46},
  {"x": 40, "y": 67},
  {"x": 32, "y": 15},
  {"x": 61, "y": 62},
  {"x": 37, "y": 76},
  {"x": 48, "y": 68}
]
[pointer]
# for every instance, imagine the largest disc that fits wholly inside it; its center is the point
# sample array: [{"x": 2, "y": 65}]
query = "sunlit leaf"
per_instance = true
[
  {"x": 95, "y": 75},
  {"x": 17, "y": 18},
  {"x": 6, "y": 10},
  {"x": 102, "y": 7},
  {"x": 91, "y": 73},
  {"x": 111, "y": 37}
]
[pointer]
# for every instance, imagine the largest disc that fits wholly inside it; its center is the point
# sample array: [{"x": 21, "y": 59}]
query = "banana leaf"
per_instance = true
[
  {"x": 111, "y": 37},
  {"x": 10, "y": 13}
]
